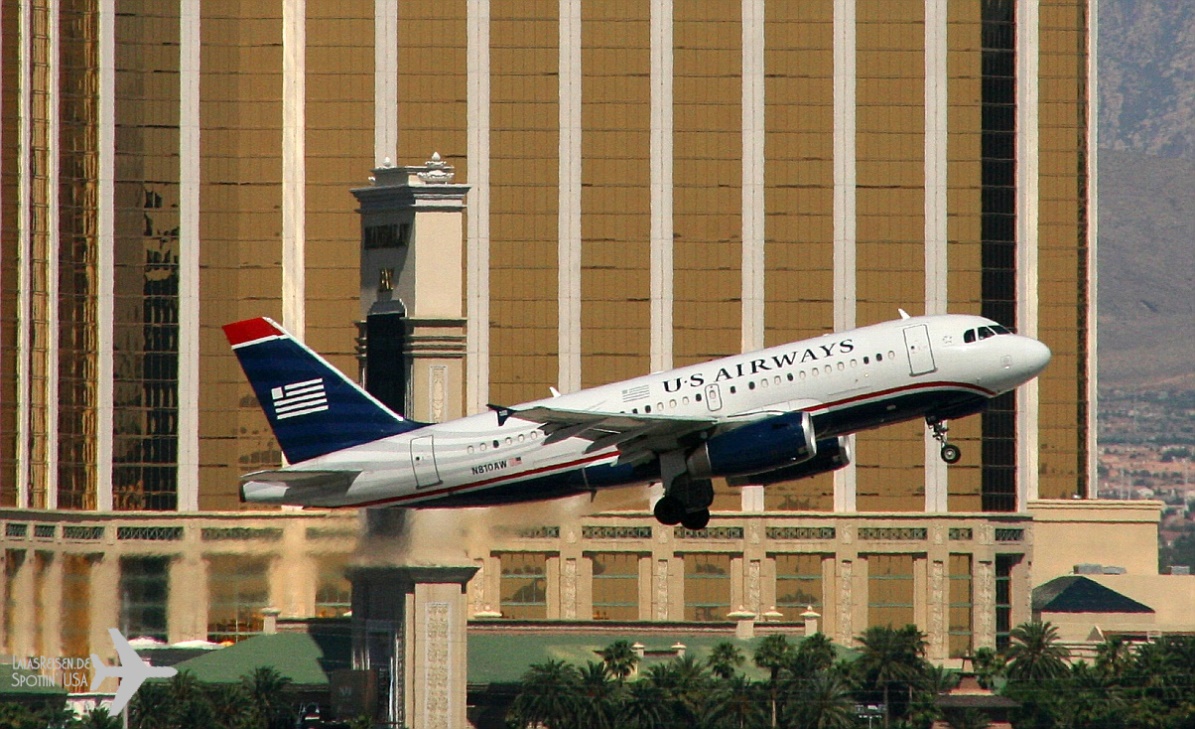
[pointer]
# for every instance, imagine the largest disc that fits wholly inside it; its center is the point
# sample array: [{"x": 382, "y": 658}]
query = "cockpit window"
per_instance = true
[
  {"x": 1000, "y": 330},
  {"x": 969, "y": 336},
  {"x": 985, "y": 332}
]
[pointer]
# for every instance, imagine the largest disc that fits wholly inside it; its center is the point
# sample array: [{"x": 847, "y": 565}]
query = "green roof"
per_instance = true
[
  {"x": 306, "y": 659},
  {"x": 503, "y": 657},
  {"x": 494, "y": 657}
]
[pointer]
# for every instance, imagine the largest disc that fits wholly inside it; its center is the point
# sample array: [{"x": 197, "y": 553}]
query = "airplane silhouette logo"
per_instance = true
[{"x": 132, "y": 671}]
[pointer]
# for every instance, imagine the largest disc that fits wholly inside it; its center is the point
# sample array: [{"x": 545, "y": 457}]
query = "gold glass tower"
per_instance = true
[{"x": 652, "y": 183}]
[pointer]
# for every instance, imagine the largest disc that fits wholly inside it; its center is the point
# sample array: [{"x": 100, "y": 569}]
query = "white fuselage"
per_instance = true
[{"x": 848, "y": 381}]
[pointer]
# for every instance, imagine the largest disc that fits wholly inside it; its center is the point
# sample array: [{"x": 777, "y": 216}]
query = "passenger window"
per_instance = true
[
  {"x": 841, "y": 367},
  {"x": 879, "y": 357},
  {"x": 969, "y": 336},
  {"x": 750, "y": 385},
  {"x": 647, "y": 409},
  {"x": 867, "y": 360},
  {"x": 697, "y": 397}
]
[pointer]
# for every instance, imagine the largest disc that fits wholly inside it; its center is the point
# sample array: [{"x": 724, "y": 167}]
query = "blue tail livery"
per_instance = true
[{"x": 312, "y": 407}]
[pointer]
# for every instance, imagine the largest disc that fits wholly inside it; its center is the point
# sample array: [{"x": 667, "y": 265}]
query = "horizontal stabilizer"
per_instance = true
[{"x": 294, "y": 487}]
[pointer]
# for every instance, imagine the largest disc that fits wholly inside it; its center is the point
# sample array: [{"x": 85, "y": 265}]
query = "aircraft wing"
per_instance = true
[
  {"x": 640, "y": 436},
  {"x": 128, "y": 687},
  {"x": 635, "y": 436},
  {"x": 128, "y": 656}
]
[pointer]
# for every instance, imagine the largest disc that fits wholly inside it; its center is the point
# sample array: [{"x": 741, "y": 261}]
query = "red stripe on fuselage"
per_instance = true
[
  {"x": 584, "y": 461},
  {"x": 486, "y": 482}
]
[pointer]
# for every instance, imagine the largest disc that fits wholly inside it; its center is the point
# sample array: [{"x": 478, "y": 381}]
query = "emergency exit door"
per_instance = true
[{"x": 921, "y": 357}]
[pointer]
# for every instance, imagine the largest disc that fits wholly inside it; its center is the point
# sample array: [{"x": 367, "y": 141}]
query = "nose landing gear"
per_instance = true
[{"x": 950, "y": 452}]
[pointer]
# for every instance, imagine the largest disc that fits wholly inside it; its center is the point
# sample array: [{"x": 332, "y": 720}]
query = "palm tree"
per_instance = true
[
  {"x": 1113, "y": 657},
  {"x": 735, "y": 704},
  {"x": 644, "y": 707},
  {"x": 1035, "y": 653},
  {"x": 99, "y": 718},
  {"x": 267, "y": 692},
  {"x": 548, "y": 696},
  {"x": 620, "y": 659},
  {"x": 815, "y": 653},
  {"x": 989, "y": 665},
  {"x": 822, "y": 701},
  {"x": 188, "y": 703},
  {"x": 773, "y": 653},
  {"x": 599, "y": 697},
  {"x": 890, "y": 656},
  {"x": 724, "y": 659}
]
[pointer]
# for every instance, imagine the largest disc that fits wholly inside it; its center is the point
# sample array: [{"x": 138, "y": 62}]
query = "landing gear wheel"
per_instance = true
[
  {"x": 940, "y": 428},
  {"x": 696, "y": 519},
  {"x": 669, "y": 511},
  {"x": 951, "y": 453}
]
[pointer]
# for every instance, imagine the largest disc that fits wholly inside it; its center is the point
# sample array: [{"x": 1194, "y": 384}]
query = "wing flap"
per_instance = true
[{"x": 632, "y": 434}]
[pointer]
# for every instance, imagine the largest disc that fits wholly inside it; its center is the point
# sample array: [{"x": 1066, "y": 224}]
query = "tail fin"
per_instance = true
[
  {"x": 312, "y": 407},
  {"x": 101, "y": 671}
]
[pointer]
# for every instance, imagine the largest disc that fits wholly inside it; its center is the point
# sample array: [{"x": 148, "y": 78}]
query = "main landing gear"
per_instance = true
[
  {"x": 686, "y": 499},
  {"x": 950, "y": 452}
]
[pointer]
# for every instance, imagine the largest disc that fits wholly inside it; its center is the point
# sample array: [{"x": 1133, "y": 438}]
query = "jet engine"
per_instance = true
[
  {"x": 832, "y": 454},
  {"x": 760, "y": 446}
]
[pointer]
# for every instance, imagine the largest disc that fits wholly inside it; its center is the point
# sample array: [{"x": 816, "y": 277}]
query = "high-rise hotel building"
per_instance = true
[{"x": 652, "y": 183}]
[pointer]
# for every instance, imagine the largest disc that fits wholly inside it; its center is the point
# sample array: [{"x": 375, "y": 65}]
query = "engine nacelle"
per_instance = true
[
  {"x": 832, "y": 454},
  {"x": 761, "y": 446}
]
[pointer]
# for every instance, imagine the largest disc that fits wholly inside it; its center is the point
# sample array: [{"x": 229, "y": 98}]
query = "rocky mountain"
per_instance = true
[
  {"x": 1147, "y": 186},
  {"x": 1146, "y": 272},
  {"x": 1147, "y": 76}
]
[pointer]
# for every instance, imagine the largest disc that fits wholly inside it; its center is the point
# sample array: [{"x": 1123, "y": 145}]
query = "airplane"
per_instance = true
[
  {"x": 777, "y": 414},
  {"x": 132, "y": 671}
]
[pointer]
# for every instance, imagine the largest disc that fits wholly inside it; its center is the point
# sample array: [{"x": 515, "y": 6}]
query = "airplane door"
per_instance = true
[
  {"x": 423, "y": 460},
  {"x": 713, "y": 397},
  {"x": 921, "y": 357}
]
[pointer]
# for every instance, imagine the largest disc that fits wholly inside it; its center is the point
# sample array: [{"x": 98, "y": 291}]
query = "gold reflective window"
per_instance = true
[
  {"x": 615, "y": 585},
  {"x": 707, "y": 587},
  {"x": 524, "y": 585}
]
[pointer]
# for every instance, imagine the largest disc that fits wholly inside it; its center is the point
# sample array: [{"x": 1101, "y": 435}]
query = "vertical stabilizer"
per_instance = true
[{"x": 312, "y": 407}]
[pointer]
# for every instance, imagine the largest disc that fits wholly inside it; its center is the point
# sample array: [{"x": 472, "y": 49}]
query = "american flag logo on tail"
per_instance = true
[{"x": 299, "y": 398}]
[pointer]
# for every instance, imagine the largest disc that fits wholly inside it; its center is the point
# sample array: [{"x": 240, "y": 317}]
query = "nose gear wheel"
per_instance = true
[{"x": 950, "y": 452}]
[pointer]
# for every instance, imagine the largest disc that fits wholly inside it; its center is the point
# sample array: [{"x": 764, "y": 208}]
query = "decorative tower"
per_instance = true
[{"x": 412, "y": 225}]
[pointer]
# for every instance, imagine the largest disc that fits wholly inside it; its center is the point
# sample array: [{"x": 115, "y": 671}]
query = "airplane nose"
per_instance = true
[{"x": 1036, "y": 355}]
